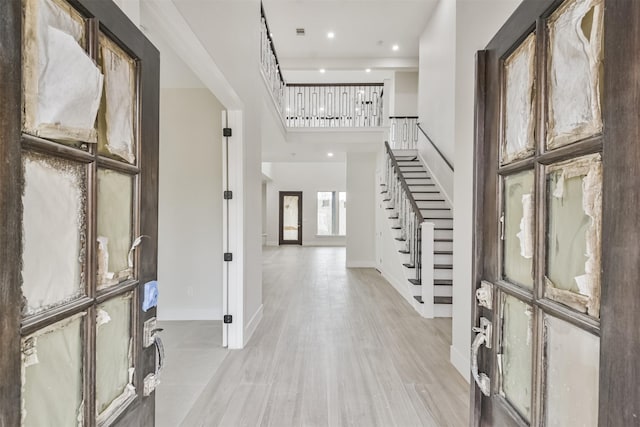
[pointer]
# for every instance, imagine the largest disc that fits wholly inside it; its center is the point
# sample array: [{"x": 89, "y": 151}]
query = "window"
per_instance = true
[{"x": 332, "y": 213}]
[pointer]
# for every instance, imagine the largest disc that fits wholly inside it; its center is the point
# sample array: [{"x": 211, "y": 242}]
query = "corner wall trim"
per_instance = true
[{"x": 252, "y": 325}]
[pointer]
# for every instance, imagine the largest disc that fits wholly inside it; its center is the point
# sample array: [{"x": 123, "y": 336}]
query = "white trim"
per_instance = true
[
  {"x": 234, "y": 238},
  {"x": 175, "y": 30},
  {"x": 460, "y": 362},
  {"x": 337, "y": 244},
  {"x": 252, "y": 324},
  {"x": 361, "y": 264},
  {"x": 189, "y": 314}
]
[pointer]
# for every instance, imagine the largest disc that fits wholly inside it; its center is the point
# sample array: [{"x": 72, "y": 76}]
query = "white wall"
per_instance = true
[
  {"x": 308, "y": 178},
  {"x": 436, "y": 101},
  {"x": 405, "y": 88},
  {"x": 190, "y": 206},
  {"x": 477, "y": 22},
  {"x": 361, "y": 206}
]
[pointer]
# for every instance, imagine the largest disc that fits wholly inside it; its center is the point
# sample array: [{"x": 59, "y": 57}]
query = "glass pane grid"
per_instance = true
[{"x": 562, "y": 218}]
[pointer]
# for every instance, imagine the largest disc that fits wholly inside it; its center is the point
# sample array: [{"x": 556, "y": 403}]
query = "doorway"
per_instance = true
[{"x": 290, "y": 218}]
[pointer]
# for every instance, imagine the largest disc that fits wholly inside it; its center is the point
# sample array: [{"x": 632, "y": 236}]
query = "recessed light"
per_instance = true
[
  {"x": 322, "y": 70},
  {"x": 330, "y": 154},
  {"x": 395, "y": 47},
  {"x": 331, "y": 35},
  {"x": 368, "y": 70}
]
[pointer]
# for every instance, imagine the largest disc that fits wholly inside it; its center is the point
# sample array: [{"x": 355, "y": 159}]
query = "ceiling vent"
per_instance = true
[{"x": 299, "y": 31}]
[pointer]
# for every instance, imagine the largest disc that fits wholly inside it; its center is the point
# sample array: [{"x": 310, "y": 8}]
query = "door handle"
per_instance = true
[{"x": 484, "y": 337}]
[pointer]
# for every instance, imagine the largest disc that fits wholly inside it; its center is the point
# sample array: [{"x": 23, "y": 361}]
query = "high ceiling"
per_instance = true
[{"x": 365, "y": 31}]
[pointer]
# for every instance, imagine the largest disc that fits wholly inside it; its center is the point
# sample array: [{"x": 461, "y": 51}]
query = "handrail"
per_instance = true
[
  {"x": 405, "y": 186},
  {"x": 436, "y": 147},
  {"x": 273, "y": 47}
]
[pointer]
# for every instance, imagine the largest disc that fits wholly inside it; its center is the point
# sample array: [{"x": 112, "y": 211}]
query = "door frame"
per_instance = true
[
  {"x": 619, "y": 394},
  {"x": 281, "y": 197}
]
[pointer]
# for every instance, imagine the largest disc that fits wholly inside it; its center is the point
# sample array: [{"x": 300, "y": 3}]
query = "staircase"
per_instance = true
[{"x": 422, "y": 223}]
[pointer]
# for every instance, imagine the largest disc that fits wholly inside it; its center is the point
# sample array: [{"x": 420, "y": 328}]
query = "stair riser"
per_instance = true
[
  {"x": 429, "y": 214},
  {"x": 443, "y": 246},
  {"x": 443, "y": 274},
  {"x": 443, "y": 291},
  {"x": 443, "y": 259},
  {"x": 441, "y": 223},
  {"x": 443, "y": 234},
  {"x": 414, "y": 186},
  {"x": 432, "y": 204}
]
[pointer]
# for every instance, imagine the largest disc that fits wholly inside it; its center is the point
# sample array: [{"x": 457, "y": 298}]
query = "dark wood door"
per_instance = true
[
  {"x": 290, "y": 218},
  {"x": 78, "y": 189},
  {"x": 557, "y": 218}
]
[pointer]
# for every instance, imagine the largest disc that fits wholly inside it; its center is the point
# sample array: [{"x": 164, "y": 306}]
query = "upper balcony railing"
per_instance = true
[
  {"x": 270, "y": 64},
  {"x": 318, "y": 105},
  {"x": 334, "y": 105}
]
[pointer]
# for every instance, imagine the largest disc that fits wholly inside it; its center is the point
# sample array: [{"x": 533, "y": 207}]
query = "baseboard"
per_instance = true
[
  {"x": 361, "y": 264},
  {"x": 187, "y": 314},
  {"x": 460, "y": 362},
  {"x": 325, "y": 244},
  {"x": 272, "y": 243},
  {"x": 251, "y": 327}
]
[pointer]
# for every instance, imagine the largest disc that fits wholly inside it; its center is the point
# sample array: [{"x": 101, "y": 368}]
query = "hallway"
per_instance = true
[{"x": 336, "y": 347}]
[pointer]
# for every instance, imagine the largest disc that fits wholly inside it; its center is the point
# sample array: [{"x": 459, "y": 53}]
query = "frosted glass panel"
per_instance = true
[
  {"x": 114, "y": 366},
  {"x": 342, "y": 213},
  {"x": 290, "y": 218},
  {"x": 52, "y": 375},
  {"x": 116, "y": 125},
  {"x": 573, "y": 360},
  {"x": 62, "y": 85},
  {"x": 574, "y": 197},
  {"x": 515, "y": 360},
  {"x": 519, "y": 228},
  {"x": 325, "y": 213},
  {"x": 115, "y": 198},
  {"x": 520, "y": 102},
  {"x": 575, "y": 71},
  {"x": 54, "y": 209}
]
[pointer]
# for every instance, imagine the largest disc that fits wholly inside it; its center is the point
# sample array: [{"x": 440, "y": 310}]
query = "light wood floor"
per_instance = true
[{"x": 336, "y": 347}]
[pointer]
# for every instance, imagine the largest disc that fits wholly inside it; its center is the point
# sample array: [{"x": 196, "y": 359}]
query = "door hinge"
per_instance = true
[
  {"x": 228, "y": 256},
  {"x": 228, "y": 318},
  {"x": 228, "y": 195},
  {"x": 226, "y": 131}
]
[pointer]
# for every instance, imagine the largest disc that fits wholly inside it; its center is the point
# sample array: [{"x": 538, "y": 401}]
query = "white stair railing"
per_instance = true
[{"x": 403, "y": 132}]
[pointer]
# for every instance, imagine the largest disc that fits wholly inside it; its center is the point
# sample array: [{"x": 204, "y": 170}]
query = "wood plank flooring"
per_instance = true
[{"x": 336, "y": 347}]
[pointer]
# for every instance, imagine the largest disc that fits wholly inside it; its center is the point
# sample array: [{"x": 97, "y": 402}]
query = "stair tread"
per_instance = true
[
  {"x": 444, "y": 228},
  {"x": 396, "y": 228},
  {"x": 442, "y": 300},
  {"x": 443, "y": 267},
  {"x": 442, "y": 282},
  {"x": 402, "y": 251},
  {"x": 429, "y": 200},
  {"x": 409, "y": 265},
  {"x": 393, "y": 217},
  {"x": 418, "y": 298},
  {"x": 415, "y": 282},
  {"x": 443, "y": 240},
  {"x": 401, "y": 239},
  {"x": 435, "y": 209},
  {"x": 443, "y": 252}
]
